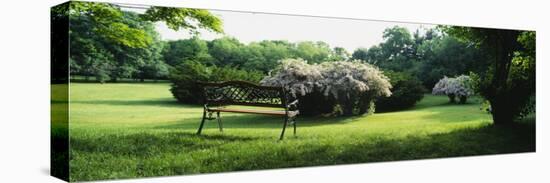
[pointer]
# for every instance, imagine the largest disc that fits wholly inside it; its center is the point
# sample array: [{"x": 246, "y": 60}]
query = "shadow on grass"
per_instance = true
[
  {"x": 222, "y": 153},
  {"x": 156, "y": 103},
  {"x": 255, "y": 121},
  {"x": 148, "y": 144},
  {"x": 487, "y": 140},
  {"x": 442, "y": 104}
]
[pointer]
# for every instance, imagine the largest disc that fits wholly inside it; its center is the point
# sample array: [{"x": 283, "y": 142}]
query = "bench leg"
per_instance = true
[
  {"x": 294, "y": 124},
  {"x": 202, "y": 122},
  {"x": 219, "y": 121},
  {"x": 284, "y": 127}
]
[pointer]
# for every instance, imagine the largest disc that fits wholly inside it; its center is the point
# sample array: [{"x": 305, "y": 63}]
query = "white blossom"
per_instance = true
[
  {"x": 296, "y": 75},
  {"x": 330, "y": 78},
  {"x": 459, "y": 86}
]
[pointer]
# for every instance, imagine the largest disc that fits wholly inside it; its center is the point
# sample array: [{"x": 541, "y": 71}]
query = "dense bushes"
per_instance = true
[
  {"x": 460, "y": 87},
  {"x": 184, "y": 78},
  {"x": 406, "y": 91},
  {"x": 341, "y": 88}
]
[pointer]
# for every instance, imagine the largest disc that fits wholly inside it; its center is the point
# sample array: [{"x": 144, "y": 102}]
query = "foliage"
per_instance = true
[
  {"x": 264, "y": 55},
  {"x": 95, "y": 55},
  {"x": 351, "y": 85},
  {"x": 109, "y": 43},
  {"x": 395, "y": 53},
  {"x": 109, "y": 21},
  {"x": 460, "y": 87},
  {"x": 185, "y": 76},
  {"x": 428, "y": 56},
  {"x": 184, "y": 18},
  {"x": 178, "y": 51},
  {"x": 227, "y": 51},
  {"x": 446, "y": 55},
  {"x": 406, "y": 90},
  {"x": 314, "y": 52},
  {"x": 509, "y": 83}
]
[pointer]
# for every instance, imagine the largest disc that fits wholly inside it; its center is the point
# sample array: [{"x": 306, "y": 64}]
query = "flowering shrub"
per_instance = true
[
  {"x": 296, "y": 75},
  {"x": 350, "y": 85},
  {"x": 354, "y": 85},
  {"x": 303, "y": 82},
  {"x": 460, "y": 87}
]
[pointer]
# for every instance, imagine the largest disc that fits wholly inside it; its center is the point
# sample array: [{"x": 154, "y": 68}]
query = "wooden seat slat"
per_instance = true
[{"x": 252, "y": 111}]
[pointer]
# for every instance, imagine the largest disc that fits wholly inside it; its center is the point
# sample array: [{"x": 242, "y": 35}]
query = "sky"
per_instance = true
[{"x": 252, "y": 27}]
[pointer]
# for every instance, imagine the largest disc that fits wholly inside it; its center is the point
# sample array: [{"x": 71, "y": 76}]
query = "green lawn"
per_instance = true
[{"x": 139, "y": 130}]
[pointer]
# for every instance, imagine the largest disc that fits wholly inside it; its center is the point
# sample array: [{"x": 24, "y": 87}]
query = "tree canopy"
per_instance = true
[{"x": 509, "y": 83}]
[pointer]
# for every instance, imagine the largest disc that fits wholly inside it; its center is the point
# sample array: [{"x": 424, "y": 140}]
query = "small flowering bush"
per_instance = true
[
  {"x": 350, "y": 85},
  {"x": 460, "y": 87}
]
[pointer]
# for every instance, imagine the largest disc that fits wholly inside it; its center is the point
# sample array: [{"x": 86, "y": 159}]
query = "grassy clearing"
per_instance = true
[{"x": 138, "y": 130}]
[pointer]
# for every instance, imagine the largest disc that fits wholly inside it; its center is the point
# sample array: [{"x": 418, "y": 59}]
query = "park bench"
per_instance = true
[{"x": 218, "y": 96}]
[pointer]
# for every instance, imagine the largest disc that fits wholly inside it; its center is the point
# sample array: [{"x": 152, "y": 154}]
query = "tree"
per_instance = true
[
  {"x": 314, "y": 52},
  {"x": 108, "y": 19},
  {"x": 111, "y": 43},
  {"x": 339, "y": 53},
  {"x": 446, "y": 55},
  {"x": 226, "y": 51},
  {"x": 509, "y": 82},
  {"x": 360, "y": 54},
  {"x": 265, "y": 55},
  {"x": 396, "y": 53},
  {"x": 179, "y": 51}
]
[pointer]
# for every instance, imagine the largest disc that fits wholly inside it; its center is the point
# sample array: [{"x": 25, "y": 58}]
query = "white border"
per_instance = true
[{"x": 24, "y": 94}]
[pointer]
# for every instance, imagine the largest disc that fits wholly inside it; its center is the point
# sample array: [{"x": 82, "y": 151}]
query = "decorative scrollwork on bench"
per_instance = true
[{"x": 245, "y": 93}]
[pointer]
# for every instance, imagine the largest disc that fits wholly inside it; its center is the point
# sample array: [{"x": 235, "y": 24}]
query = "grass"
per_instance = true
[{"x": 139, "y": 130}]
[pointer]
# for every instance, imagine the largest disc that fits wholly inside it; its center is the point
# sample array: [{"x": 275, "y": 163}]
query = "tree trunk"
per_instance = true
[
  {"x": 501, "y": 114},
  {"x": 451, "y": 98},
  {"x": 506, "y": 43},
  {"x": 463, "y": 99},
  {"x": 347, "y": 107}
]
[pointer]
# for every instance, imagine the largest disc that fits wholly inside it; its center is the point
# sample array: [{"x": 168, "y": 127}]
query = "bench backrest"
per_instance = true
[{"x": 243, "y": 93}]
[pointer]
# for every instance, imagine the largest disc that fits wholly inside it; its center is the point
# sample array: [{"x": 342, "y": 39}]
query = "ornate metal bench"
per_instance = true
[{"x": 218, "y": 95}]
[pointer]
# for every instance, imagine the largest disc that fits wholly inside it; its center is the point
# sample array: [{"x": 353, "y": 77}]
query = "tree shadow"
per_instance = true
[
  {"x": 147, "y": 144},
  {"x": 449, "y": 117},
  {"x": 156, "y": 103},
  {"x": 485, "y": 140},
  {"x": 255, "y": 122}
]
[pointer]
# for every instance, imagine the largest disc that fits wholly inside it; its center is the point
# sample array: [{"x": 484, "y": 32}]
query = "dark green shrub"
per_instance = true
[
  {"x": 185, "y": 76},
  {"x": 315, "y": 103},
  {"x": 406, "y": 91}
]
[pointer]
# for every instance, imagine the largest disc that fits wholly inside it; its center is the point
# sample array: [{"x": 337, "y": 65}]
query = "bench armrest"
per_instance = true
[{"x": 292, "y": 105}]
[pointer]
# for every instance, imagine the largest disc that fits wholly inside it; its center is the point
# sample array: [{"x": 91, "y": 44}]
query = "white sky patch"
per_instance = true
[{"x": 252, "y": 27}]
